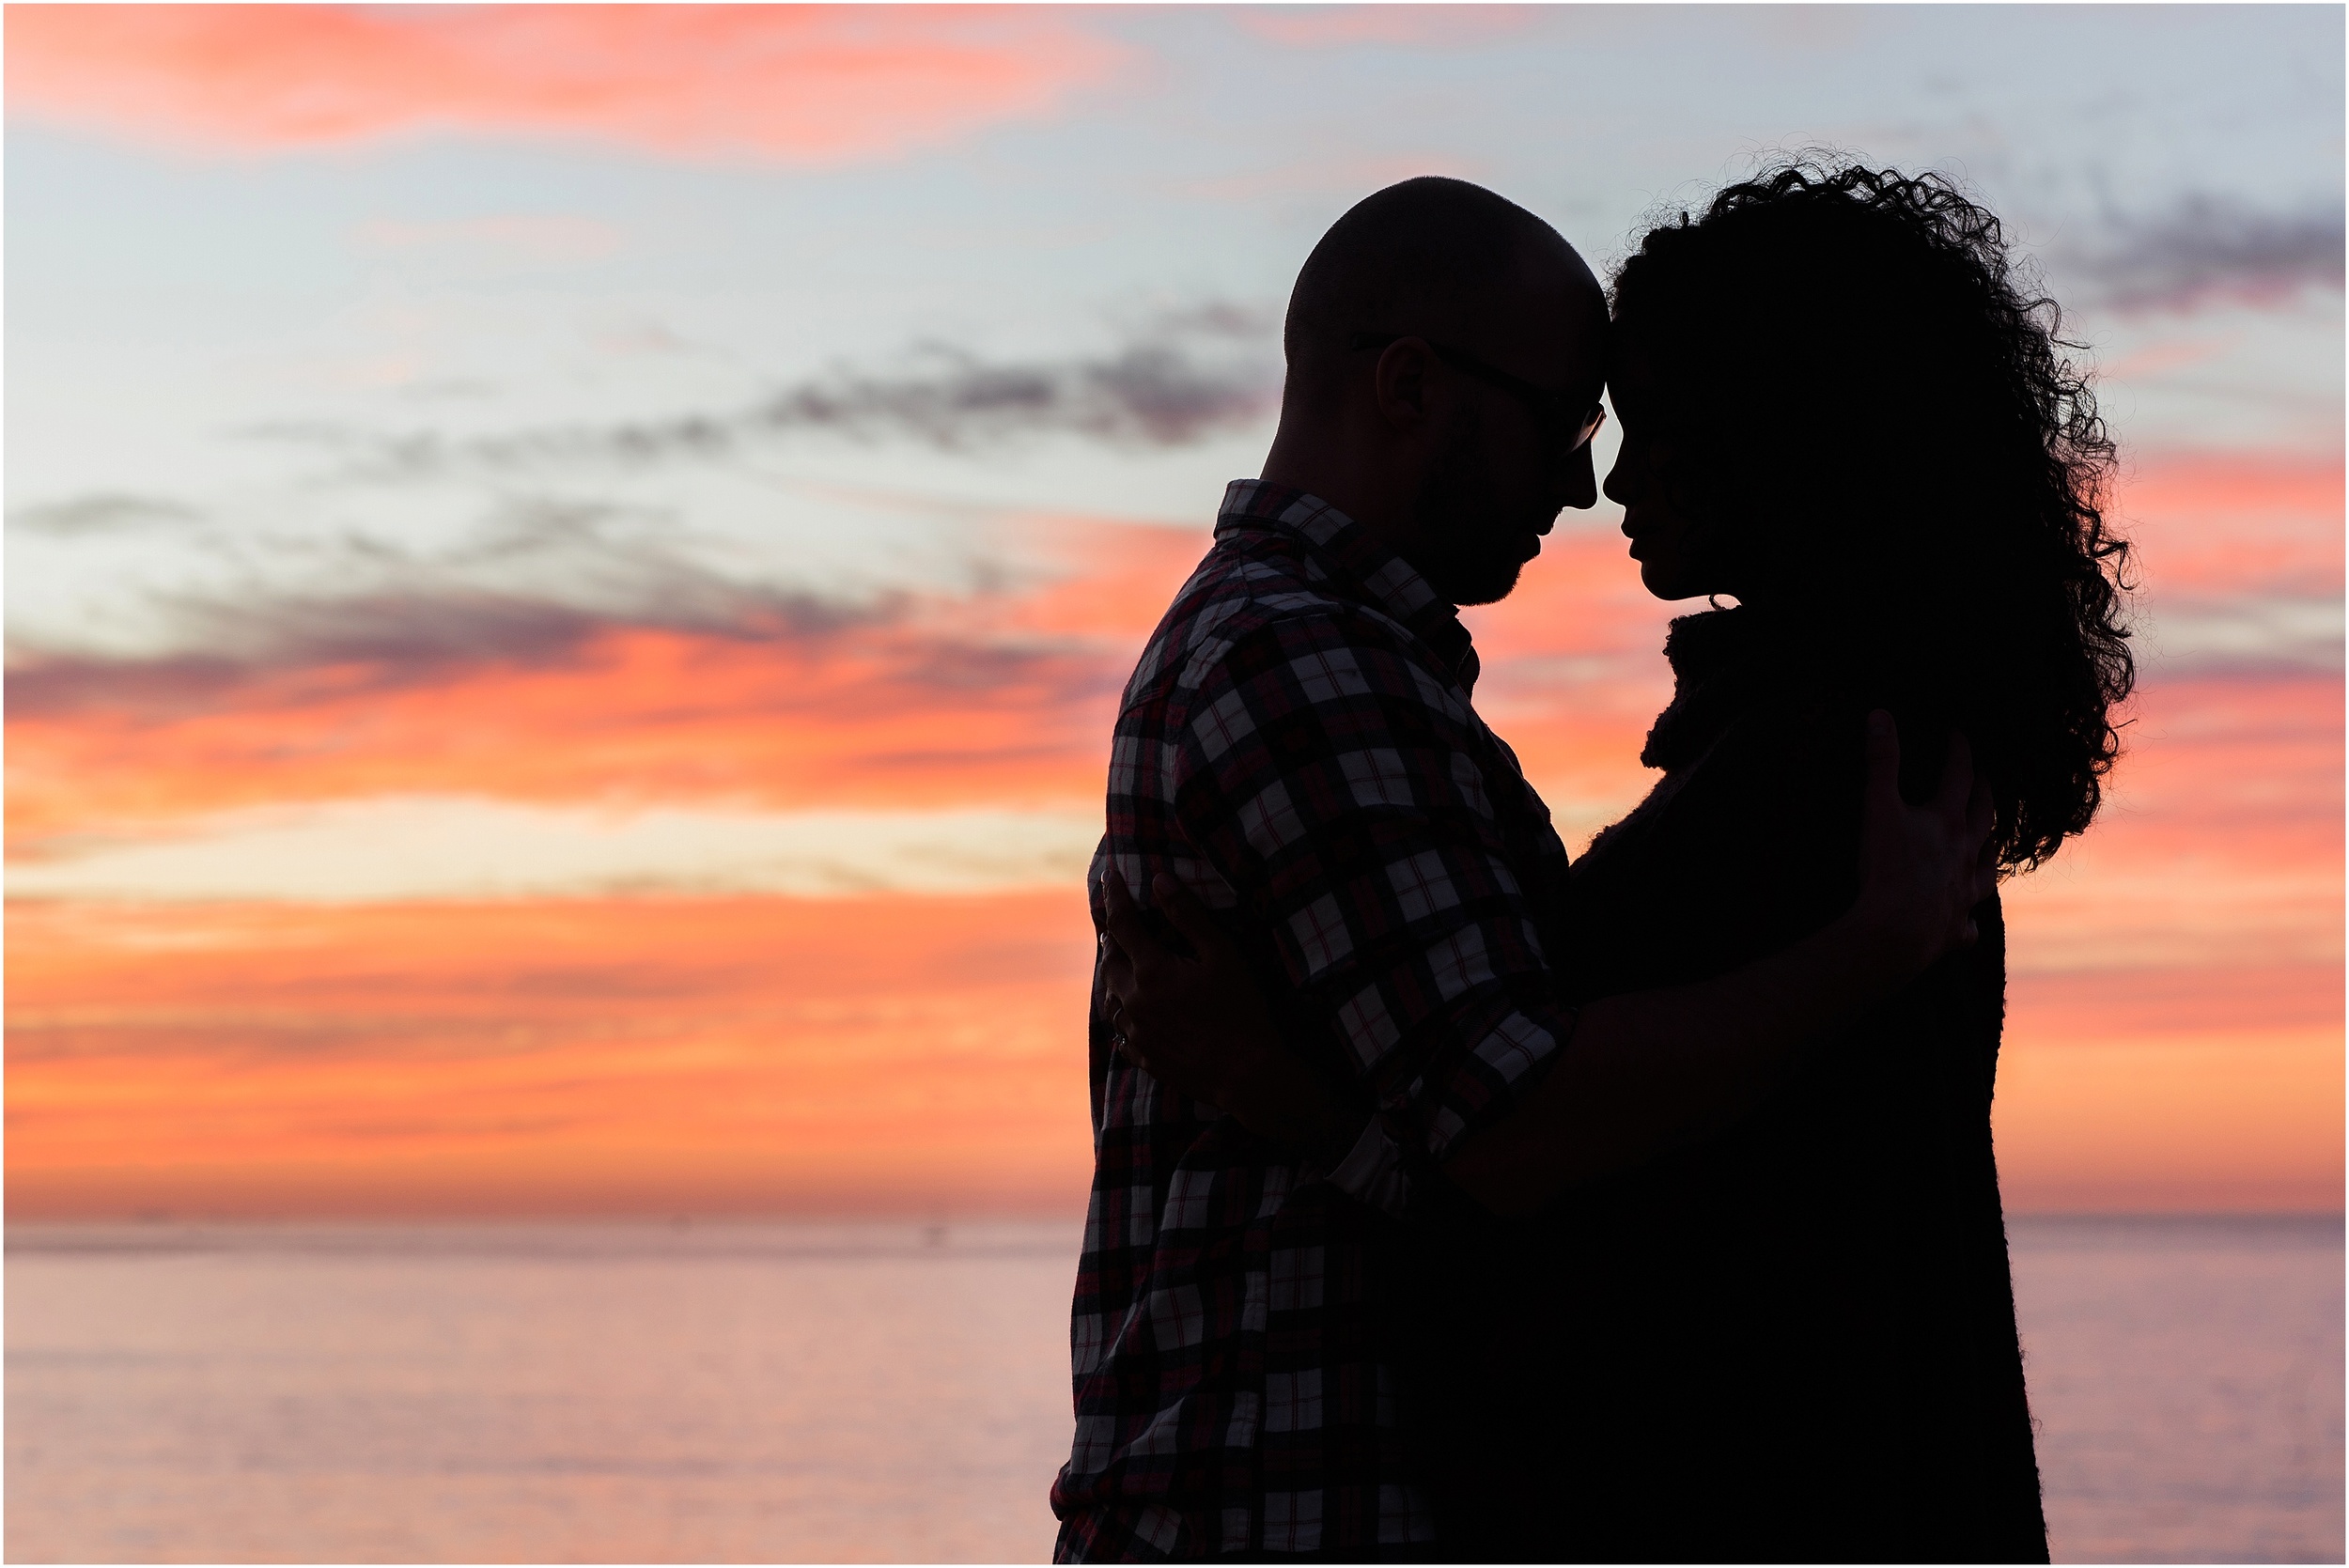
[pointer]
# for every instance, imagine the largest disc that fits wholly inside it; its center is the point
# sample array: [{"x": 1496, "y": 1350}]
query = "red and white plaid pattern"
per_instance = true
[{"x": 1298, "y": 745}]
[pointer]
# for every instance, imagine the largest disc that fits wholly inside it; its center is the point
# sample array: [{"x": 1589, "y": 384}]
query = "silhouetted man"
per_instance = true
[{"x": 1299, "y": 749}]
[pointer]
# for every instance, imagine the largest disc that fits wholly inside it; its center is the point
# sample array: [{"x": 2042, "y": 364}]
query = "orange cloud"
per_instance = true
[
  {"x": 802, "y": 84},
  {"x": 870, "y": 717},
  {"x": 1001, "y": 699},
  {"x": 743, "y": 1055},
  {"x": 608, "y": 1056}
]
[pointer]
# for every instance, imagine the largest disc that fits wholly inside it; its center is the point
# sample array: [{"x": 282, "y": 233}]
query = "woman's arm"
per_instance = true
[{"x": 1642, "y": 1072}]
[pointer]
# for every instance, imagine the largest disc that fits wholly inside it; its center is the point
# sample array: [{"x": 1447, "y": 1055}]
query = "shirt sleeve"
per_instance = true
[
  {"x": 1331, "y": 778},
  {"x": 1372, "y": 1172}
]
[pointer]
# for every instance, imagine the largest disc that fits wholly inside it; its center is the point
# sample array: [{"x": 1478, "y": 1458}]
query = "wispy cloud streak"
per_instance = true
[
  {"x": 2207, "y": 250},
  {"x": 535, "y": 579},
  {"x": 1166, "y": 389},
  {"x": 111, "y": 512}
]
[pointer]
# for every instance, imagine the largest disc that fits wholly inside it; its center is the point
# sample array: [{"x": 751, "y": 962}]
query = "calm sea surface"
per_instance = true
[{"x": 898, "y": 1393}]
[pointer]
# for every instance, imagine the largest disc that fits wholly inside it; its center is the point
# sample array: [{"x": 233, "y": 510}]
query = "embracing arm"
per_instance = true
[{"x": 1640, "y": 1072}]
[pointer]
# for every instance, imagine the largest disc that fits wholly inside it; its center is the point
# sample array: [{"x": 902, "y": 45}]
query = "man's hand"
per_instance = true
[
  {"x": 1922, "y": 869},
  {"x": 1199, "y": 1025}
]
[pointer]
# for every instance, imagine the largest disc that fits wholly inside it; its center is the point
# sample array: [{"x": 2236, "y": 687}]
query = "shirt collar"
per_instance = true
[{"x": 1357, "y": 562}]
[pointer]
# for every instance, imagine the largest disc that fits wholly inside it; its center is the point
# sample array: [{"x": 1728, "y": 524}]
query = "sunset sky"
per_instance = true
[{"x": 568, "y": 567}]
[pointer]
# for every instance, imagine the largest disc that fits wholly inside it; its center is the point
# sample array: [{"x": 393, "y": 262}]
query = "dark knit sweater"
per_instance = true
[{"x": 1794, "y": 1342}]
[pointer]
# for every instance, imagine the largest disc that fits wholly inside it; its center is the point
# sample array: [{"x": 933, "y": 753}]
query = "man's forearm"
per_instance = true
[{"x": 1647, "y": 1071}]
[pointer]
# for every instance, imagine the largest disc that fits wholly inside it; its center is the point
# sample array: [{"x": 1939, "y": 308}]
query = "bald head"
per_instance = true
[
  {"x": 1443, "y": 259},
  {"x": 1449, "y": 436}
]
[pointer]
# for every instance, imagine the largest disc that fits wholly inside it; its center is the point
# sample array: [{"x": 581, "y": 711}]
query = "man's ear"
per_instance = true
[{"x": 1399, "y": 382}]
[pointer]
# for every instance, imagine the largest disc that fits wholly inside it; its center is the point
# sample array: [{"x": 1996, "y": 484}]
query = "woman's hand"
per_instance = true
[{"x": 1199, "y": 1026}]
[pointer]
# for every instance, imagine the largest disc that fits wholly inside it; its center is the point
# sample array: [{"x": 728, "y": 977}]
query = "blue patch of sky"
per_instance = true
[{"x": 193, "y": 329}]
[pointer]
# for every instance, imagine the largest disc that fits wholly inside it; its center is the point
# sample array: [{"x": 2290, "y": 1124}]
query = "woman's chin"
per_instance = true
[
  {"x": 1659, "y": 580},
  {"x": 1669, "y": 587}
]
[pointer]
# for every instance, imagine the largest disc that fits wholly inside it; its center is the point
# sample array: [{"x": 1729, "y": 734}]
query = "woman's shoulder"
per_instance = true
[{"x": 1793, "y": 737}]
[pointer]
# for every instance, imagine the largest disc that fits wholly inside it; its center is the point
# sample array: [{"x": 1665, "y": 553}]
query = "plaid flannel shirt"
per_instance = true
[{"x": 1296, "y": 744}]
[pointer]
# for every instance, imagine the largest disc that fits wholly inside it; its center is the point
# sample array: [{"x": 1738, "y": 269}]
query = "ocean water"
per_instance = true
[
  {"x": 536, "y": 1394},
  {"x": 2187, "y": 1375},
  {"x": 876, "y": 1392}
]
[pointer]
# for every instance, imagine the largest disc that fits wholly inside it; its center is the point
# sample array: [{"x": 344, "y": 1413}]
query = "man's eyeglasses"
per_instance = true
[{"x": 1569, "y": 422}]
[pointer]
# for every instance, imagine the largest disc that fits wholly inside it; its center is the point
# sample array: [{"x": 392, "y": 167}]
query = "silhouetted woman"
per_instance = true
[{"x": 1796, "y": 1341}]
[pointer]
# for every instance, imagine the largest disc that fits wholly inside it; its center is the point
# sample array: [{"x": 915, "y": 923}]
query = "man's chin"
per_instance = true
[
  {"x": 1473, "y": 576},
  {"x": 1487, "y": 584}
]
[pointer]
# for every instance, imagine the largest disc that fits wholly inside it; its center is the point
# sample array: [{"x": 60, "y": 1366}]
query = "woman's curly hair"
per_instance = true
[{"x": 1857, "y": 381}]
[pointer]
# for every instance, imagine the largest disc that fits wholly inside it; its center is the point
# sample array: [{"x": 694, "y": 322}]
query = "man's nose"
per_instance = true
[{"x": 1579, "y": 485}]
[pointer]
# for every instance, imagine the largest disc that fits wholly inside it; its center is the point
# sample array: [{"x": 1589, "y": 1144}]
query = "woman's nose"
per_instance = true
[{"x": 1622, "y": 479}]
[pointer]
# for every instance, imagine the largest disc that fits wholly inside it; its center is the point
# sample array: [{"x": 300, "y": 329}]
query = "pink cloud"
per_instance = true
[
  {"x": 799, "y": 84},
  {"x": 2218, "y": 522}
]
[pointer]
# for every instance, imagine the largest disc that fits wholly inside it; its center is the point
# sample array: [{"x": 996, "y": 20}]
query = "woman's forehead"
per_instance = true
[{"x": 1627, "y": 360}]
